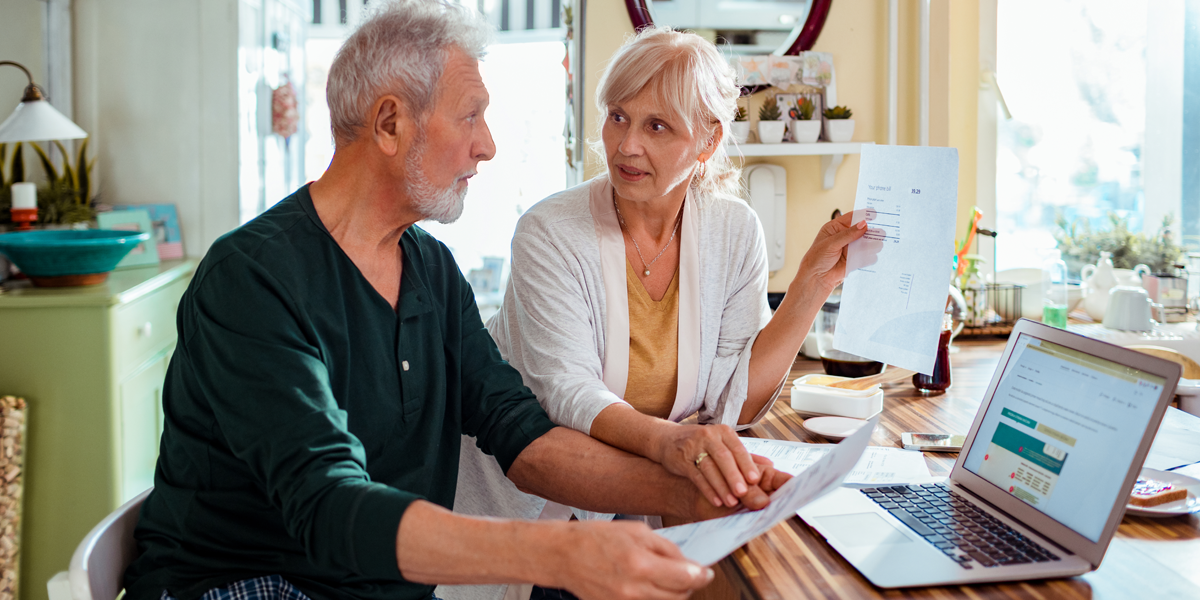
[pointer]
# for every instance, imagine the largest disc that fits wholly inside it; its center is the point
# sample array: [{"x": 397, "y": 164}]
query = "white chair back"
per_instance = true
[{"x": 98, "y": 566}]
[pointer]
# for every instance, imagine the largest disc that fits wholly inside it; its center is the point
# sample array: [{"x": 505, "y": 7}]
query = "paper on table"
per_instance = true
[
  {"x": 892, "y": 311},
  {"x": 1176, "y": 442},
  {"x": 707, "y": 542},
  {"x": 879, "y": 465}
]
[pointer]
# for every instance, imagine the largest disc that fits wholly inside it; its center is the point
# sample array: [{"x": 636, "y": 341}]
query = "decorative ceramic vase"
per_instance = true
[
  {"x": 739, "y": 131},
  {"x": 805, "y": 131},
  {"x": 839, "y": 130},
  {"x": 770, "y": 132}
]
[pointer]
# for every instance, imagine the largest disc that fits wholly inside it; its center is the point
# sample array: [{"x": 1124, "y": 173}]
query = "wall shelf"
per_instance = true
[{"x": 831, "y": 154}]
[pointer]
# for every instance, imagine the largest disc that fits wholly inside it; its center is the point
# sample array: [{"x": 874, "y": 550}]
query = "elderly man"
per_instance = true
[{"x": 331, "y": 355}]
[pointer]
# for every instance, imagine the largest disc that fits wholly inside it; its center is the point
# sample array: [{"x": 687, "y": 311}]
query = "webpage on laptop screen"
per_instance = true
[{"x": 1061, "y": 431}]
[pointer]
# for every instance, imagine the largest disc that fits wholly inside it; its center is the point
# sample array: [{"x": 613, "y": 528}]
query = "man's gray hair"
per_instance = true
[{"x": 400, "y": 49}]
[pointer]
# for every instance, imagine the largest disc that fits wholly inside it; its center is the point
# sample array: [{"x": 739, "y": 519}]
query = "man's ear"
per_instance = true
[{"x": 391, "y": 124}]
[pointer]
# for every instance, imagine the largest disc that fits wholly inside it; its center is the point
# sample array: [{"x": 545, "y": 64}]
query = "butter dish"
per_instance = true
[{"x": 809, "y": 399}]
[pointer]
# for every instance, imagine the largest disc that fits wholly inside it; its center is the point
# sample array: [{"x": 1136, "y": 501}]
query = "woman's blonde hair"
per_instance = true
[{"x": 688, "y": 76}]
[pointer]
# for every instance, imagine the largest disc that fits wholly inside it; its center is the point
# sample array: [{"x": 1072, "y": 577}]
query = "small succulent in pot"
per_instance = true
[
  {"x": 803, "y": 110},
  {"x": 769, "y": 111},
  {"x": 740, "y": 115},
  {"x": 839, "y": 126},
  {"x": 838, "y": 113},
  {"x": 770, "y": 127}
]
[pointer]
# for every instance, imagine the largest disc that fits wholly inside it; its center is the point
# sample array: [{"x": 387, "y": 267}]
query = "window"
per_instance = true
[
  {"x": 525, "y": 76},
  {"x": 1074, "y": 78}
]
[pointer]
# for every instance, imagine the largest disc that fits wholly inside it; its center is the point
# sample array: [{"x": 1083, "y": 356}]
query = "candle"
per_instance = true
[{"x": 24, "y": 195}]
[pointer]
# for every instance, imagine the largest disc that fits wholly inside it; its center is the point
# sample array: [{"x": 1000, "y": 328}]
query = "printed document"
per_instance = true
[
  {"x": 879, "y": 465},
  {"x": 891, "y": 311},
  {"x": 707, "y": 542}
]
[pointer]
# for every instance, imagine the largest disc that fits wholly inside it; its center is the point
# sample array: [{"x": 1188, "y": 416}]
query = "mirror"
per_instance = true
[{"x": 747, "y": 27}]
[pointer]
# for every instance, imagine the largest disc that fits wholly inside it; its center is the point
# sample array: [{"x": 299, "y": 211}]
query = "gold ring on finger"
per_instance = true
[{"x": 703, "y": 455}]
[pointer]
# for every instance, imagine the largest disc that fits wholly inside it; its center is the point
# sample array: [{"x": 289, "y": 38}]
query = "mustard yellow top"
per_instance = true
[{"x": 653, "y": 347}]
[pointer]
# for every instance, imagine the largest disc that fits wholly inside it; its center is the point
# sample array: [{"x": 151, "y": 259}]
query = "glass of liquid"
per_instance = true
[{"x": 939, "y": 381}]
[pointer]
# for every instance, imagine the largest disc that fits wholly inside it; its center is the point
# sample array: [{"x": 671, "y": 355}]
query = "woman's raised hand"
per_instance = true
[
  {"x": 825, "y": 262},
  {"x": 712, "y": 457}
]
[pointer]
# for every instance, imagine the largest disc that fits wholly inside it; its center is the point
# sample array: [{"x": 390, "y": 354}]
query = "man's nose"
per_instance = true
[{"x": 485, "y": 148}]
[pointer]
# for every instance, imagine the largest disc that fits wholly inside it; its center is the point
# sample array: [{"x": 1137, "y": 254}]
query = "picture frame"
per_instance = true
[
  {"x": 146, "y": 253},
  {"x": 165, "y": 220}
]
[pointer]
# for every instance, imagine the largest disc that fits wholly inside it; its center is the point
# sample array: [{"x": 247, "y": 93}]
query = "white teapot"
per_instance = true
[{"x": 1098, "y": 279}]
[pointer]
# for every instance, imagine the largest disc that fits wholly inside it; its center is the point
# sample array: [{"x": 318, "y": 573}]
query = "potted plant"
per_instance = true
[
  {"x": 770, "y": 127},
  {"x": 839, "y": 126},
  {"x": 805, "y": 129},
  {"x": 739, "y": 129},
  {"x": 66, "y": 199}
]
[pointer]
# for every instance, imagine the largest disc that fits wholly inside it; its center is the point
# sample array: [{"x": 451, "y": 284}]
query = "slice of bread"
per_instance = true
[{"x": 1148, "y": 492}]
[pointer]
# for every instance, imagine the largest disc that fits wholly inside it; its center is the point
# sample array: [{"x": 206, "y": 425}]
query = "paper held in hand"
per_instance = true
[
  {"x": 891, "y": 311},
  {"x": 707, "y": 542}
]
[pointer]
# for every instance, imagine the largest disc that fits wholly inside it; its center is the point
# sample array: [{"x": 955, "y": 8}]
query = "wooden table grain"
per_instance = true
[{"x": 1159, "y": 557}]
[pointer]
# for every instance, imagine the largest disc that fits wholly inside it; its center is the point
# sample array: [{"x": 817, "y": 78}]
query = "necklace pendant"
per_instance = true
[{"x": 646, "y": 272}]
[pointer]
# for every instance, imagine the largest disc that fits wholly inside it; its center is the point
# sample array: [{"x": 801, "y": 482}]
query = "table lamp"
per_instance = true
[{"x": 34, "y": 119}]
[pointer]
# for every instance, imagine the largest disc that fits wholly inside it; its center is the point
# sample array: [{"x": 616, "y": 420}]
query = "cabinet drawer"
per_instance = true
[{"x": 144, "y": 327}]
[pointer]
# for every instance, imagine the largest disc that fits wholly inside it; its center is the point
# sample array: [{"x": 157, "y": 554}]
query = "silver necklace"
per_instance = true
[{"x": 646, "y": 265}]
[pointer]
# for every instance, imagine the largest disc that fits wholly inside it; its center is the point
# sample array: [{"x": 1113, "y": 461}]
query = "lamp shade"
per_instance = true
[{"x": 37, "y": 120}]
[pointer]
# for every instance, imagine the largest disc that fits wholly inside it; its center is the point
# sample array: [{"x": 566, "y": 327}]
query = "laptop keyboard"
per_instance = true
[{"x": 957, "y": 527}]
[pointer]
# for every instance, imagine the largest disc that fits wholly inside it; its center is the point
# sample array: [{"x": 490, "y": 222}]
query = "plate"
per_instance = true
[
  {"x": 834, "y": 428},
  {"x": 1188, "y": 505}
]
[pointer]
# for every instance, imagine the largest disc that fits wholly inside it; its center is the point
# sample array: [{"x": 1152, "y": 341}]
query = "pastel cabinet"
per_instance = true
[{"x": 90, "y": 361}]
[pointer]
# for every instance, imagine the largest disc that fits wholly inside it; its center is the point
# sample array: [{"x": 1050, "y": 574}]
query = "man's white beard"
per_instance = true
[{"x": 441, "y": 205}]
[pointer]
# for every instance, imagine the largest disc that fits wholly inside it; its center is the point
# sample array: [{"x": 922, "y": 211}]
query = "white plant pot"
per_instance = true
[
  {"x": 770, "y": 132},
  {"x": 839, "y": 130},
  {"x": 739, "y": 131},
  {"x": 805, "y": 132}
]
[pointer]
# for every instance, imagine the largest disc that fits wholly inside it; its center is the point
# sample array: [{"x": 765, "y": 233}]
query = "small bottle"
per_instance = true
[
  {"x": 1054, "y": 290},
  {"x": 939, "y": 381},
  {"x": 974, "y": 293}
]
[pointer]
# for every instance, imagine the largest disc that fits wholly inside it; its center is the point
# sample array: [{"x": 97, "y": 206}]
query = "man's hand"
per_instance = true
[
  {"x": 757, "y": 497},
  {"x": 625, "y": 560},
  {"x": 711, "y": 457}
]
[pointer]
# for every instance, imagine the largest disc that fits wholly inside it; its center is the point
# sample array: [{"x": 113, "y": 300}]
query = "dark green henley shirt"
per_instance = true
[{"x": 304, "y": 414}]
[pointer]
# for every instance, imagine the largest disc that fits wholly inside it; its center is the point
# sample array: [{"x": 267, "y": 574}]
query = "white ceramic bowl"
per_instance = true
[{"x": 809, "y": 399}]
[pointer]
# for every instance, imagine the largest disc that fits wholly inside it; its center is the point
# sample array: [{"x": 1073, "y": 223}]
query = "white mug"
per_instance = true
[{"x": 1130, "y": 309}]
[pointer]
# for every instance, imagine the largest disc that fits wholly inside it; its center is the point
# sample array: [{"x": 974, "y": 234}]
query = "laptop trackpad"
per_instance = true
[{"x": 862, "y": 529}]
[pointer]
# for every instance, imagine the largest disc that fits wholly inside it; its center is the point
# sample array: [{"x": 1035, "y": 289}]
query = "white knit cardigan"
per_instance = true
[{"x": 565, "y": 326}]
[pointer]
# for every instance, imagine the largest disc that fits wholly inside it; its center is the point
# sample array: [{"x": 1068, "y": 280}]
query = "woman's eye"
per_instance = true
[{"x": 658, "y": 127}]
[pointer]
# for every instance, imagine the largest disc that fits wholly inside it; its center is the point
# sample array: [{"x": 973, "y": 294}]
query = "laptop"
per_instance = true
[{"x": 1041, "y": 483}]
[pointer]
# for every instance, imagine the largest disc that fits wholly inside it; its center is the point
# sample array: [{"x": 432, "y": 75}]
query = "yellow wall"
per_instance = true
[{"x": 856, "y": 34}]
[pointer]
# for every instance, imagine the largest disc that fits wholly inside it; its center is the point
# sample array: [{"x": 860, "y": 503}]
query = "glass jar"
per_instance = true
[
  {"x": 939, "y": 381},
  {"x": 1054, "y": 290}
]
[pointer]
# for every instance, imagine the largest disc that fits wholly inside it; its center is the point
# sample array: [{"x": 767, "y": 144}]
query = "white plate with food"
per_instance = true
[
  {"x": 1163, "y": 494},
  {"x": 834, "y": 428}
]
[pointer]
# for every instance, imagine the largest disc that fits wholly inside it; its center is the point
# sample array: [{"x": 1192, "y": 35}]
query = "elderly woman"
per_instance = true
[{"x": 639, "y": 299}]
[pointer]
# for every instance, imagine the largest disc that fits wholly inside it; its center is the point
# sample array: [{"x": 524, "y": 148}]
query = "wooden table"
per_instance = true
[{"x": 1147, "y": 556}]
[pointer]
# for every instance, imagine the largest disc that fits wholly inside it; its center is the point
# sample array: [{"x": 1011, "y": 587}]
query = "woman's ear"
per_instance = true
[{"x": 710, "y": 148}]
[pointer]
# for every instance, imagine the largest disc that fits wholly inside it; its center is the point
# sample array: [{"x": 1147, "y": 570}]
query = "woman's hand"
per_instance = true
[
  {"x": 712, "y": 457},
  {"x": 825, "y": 262},
  {"x": 759, "y": 496}
]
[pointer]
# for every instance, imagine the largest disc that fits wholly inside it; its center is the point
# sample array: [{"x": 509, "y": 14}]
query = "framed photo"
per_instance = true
[
  {"x": 787, "y": 106},
  {"x": 165, "y": 220},
  {"x": 146, "y": 252}
]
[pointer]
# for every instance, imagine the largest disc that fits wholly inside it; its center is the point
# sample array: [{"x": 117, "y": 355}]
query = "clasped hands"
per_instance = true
[{"x": 713, "y": 458}]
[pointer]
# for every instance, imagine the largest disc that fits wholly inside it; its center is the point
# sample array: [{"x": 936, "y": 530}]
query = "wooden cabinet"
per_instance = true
[{"x": 90, "y": 361}]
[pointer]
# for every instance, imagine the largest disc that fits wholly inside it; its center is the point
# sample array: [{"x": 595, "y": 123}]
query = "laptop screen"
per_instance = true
[{"x": 1061, "y": 431}]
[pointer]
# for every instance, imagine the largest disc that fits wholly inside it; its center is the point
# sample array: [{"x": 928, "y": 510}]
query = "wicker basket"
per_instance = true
[
  {"x": 1004, "y": 309},
  {"x": 12, "y": 467}
]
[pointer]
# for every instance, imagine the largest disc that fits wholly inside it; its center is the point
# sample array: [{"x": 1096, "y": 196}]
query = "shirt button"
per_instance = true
[{"x": 404, "y": 365}]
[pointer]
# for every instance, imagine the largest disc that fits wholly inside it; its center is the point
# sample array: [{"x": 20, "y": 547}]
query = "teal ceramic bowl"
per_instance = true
[{"x": 69, "y": 257}]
